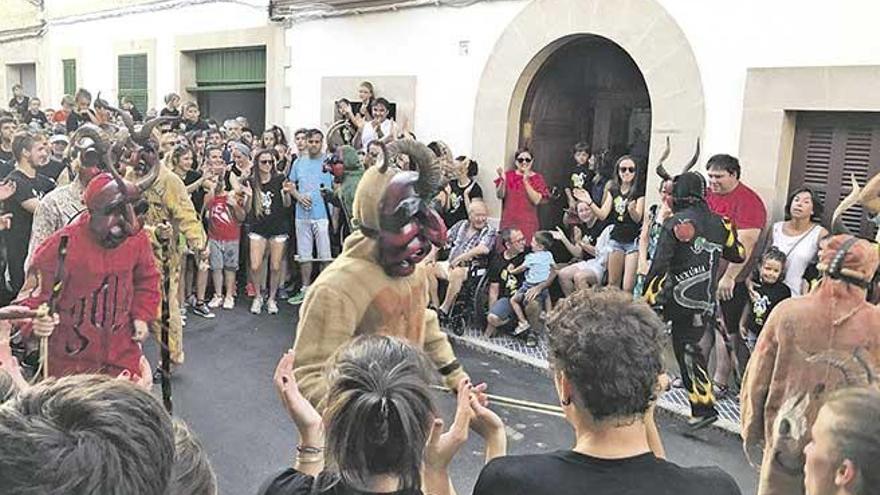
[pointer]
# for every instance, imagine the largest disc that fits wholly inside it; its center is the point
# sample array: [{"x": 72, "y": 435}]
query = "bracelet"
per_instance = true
[
  {"x": 305, "y": 449},
  {"x": 309, "y": 460}
]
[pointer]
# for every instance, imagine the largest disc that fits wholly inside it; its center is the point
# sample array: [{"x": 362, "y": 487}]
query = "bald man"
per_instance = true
[{"x": 468, "y": 239}]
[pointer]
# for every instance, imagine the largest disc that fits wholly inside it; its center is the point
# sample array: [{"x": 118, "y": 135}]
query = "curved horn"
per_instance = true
[
  {"x": 146, "y": 181},
  {"x": 142, "y": 136},
  {"x": 661, "y": 170},
  {"x": 690, "y": 164},
  {"x": 851, "y": 199},
  {"x": 425, "y": 161}
]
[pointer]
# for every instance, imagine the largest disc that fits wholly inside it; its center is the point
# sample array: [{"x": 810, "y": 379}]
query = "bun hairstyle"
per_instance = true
[{"x": 378, "y": 411}]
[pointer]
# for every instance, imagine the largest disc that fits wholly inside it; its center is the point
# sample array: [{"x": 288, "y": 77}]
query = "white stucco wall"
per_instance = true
[
  {"x": 96, "y": 43},
  {"x": 421, "y": 42},
  {"x": 727, "y": 38}
]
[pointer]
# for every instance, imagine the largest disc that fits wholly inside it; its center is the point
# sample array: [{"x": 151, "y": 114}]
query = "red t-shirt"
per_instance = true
[
  {"x": 742, "y": 206},
  {"x": 222, "y": 225}
]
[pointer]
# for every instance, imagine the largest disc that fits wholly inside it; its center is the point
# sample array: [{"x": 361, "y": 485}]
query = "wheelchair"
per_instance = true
[{"x": 471, "y": 305}]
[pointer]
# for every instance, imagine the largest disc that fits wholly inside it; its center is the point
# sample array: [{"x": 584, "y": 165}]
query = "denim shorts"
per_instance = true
[{"x": 626, "y": 247}]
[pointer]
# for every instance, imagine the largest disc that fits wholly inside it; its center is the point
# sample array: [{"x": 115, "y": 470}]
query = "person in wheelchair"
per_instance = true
[{"x": 470, "y": 240}]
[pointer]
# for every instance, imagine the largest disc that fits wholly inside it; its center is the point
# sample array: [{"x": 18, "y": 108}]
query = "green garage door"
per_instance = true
[
  {"x": 231, "y": 70},
  {"x": 232, "y": 83},
  {"x": 132, "y": 73}
]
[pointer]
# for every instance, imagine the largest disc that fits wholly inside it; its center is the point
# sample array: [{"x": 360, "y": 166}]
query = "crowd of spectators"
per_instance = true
[{"x": 275, "y": 213}]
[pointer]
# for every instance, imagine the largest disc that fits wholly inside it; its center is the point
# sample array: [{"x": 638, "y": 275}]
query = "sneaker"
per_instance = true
[
  {"x": 272, "y": 307},
  {"x": 191, "y": 300},
  {"x": 522, "y": 327},
  {"x": 228, "y": 302},
  {"x": 531, "y": 340},
  {"x": 282, "y": 293},
  {"x": 250, "y": 290},
  {"x": 298, "y": 297},
  {"x": 203, "y": 310},
  {"x": 216, "y": 301},
  {"x": 257, "y": 305}
]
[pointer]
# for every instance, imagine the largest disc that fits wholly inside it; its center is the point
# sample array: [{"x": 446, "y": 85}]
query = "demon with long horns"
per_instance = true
[
  {"x": 681, "y": 282},
  {"x": 98, "y": 273},
  {"x": 377, "y": 284}
]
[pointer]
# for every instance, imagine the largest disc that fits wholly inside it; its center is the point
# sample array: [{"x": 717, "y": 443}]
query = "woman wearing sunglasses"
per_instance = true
[
  {"x": 521, "y": 190},
  {"x": 623, "y": 204},
  {"x": 270, "y": 225}
]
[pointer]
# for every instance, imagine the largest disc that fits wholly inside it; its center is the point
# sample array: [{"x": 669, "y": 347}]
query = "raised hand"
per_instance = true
[
  {"x": 442, "y": 447},
  {"x": 304, "y": 416}
]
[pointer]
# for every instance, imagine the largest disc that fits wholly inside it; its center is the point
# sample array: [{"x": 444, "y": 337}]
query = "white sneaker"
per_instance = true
[
  {"x": 272, "y": 307},
  {"x": 257, "y": 305},
  {"x": 215, "y": 301},
  {"x": 522, "y": 327},
  {"x": 228, "y": 302}
]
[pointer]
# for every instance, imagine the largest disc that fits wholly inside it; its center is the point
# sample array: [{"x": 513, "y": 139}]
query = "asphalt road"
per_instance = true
[{"x": 225, "y": 393}]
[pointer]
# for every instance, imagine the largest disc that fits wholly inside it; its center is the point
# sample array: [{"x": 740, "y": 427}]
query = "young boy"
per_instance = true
[
  {"x": 225, "y": 211},
  {"x": 580, "y": 175},
  {"x": 538, "y": 266},
  {"x": 764, "y": 293}
]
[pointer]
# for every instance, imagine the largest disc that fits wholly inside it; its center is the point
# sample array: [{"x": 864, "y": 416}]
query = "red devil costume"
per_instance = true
[
  {"x": 109, "y": 279},
  {"x": 377, "y": 284}
]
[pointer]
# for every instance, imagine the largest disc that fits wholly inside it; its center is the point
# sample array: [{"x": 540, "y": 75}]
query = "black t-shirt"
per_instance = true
[
  {"x": 457, "y": 210},
  {"x": 7, "y": 163},
  {"x": 40, "y": 117},
  {"x": 769, "y": 295},
  {"x": 579, "y": 177},
  {"x": 571, "y": 473},
  {"x": 625, "y": 228},
  {"x": 53, "y": 169},
  {"x": 199, "y": 125},
  {"x": 292, "y": 482},
  {"x": 589, "y": 233},
  {"x": 76, "y": 119},
  {"x": 498, "y": 273},
  {"x": 25, "y": 189},
  {"x": 20, "y": 106},
  {"x": 274, "y": 220},
  {"x": 166, "y": 112}
]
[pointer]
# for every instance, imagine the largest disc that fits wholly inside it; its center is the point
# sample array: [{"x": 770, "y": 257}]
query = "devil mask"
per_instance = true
[
  {"x": 115, "y": 207},
  {"x": 393, "y": 208}
]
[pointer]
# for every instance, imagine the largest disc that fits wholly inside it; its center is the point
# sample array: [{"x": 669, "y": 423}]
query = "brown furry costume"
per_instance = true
[
  {"x": 810, "y": 346},
  {"x": 355, "y": 295}
]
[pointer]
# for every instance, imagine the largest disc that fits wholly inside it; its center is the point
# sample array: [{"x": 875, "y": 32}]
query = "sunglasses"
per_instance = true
[
  {"x": 524, "y": 160},
  {"x": 627, "y": 169},
  {"x": 270, "y": 161}
]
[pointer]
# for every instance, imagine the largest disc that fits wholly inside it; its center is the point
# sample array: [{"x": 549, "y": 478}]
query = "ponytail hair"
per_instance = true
[{"x": 378, "y": 411}]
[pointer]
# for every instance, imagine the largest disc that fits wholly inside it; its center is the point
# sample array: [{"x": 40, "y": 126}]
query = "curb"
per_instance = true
[{"x": 663, "y": 403}]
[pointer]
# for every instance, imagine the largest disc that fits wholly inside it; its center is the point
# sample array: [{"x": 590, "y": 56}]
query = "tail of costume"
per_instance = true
[{"x": 165, "y": 355}]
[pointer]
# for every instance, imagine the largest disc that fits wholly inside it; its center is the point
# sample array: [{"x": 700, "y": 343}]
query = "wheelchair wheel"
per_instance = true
[{"x": 479, "y": 309}]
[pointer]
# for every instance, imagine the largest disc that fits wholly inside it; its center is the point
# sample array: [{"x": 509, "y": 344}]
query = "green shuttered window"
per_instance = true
[
  {"x": 132, "y": 73},
  {"x": 69, "y": 76}
]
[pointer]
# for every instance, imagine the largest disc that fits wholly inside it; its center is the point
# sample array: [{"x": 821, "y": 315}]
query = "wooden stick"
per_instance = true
[{"x": 517, "y": 403}]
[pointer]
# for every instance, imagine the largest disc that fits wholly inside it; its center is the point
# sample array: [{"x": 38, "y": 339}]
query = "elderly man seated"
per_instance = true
[{"x": 469, "y": 239}]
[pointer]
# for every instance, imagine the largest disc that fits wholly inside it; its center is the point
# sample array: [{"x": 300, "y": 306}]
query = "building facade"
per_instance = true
[
  {"x": 225, "y": 54},
  {"x": 787, "y": 86}
]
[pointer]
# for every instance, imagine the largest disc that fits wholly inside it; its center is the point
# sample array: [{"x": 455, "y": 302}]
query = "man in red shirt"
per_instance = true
[{"x": 732, "y": 199}]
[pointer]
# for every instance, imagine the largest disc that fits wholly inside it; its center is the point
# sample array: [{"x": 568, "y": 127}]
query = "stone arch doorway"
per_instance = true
[
  {"x": 644, "y": 30},
  {"x": 588, "y": 90}
]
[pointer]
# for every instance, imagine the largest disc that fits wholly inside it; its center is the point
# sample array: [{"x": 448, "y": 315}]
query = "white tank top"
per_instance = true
[{"x": 800, "y": 251}]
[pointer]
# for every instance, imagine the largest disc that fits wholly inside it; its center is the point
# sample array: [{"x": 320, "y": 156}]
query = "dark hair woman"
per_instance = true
[
  {"x": 798, "y": 236},
  {"x": 623, "y": 204},
  {"x": 380, "y": 431},
  {"x": 521, "y": 190},
  {"x": 270, "y": 225}
]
